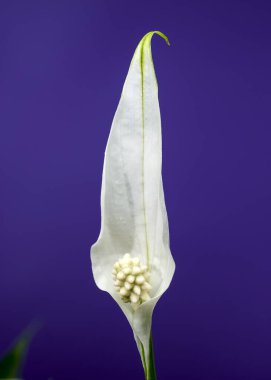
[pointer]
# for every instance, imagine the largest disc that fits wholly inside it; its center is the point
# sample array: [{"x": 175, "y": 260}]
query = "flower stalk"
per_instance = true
[{"x": 150, "y": 370}]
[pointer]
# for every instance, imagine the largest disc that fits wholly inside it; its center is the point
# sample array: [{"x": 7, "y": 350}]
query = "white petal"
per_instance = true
[{"x": 134, "y": 217}]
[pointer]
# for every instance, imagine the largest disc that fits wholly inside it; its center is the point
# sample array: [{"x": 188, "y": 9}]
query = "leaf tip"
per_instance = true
[{"x": 163, "y": 36}]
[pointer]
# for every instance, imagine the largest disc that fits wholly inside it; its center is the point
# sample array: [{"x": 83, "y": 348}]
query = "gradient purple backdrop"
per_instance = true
[{"x": 62, "y": 67}]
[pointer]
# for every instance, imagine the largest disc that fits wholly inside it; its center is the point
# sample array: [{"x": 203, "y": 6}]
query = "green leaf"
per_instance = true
[{"x": 11, "y": 363}]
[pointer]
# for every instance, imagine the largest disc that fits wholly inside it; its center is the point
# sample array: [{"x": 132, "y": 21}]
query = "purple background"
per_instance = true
[{"x": 62, "y": 67}]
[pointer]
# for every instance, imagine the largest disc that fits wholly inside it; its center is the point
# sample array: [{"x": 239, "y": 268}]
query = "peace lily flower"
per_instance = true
[{"x": 131, "y": 259}]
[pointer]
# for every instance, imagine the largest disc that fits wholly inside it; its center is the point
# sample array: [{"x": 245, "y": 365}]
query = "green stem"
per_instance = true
[{"x": 149, "y": 370}]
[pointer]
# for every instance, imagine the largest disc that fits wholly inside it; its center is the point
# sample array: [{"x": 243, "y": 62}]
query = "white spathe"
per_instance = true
[{"x": 134, "y": 217}]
